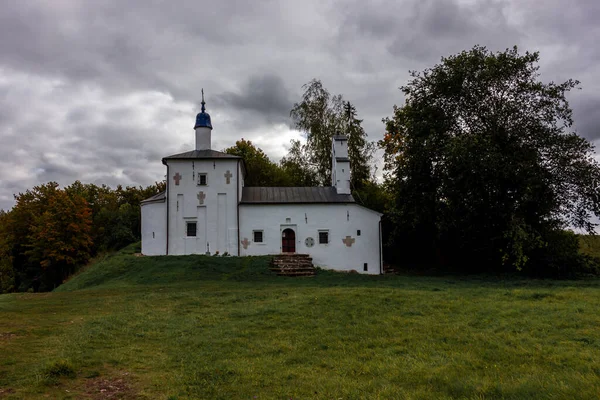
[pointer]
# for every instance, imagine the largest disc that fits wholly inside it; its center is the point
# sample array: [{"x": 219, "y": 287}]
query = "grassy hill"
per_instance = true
[{"x": 202, "y": 327}]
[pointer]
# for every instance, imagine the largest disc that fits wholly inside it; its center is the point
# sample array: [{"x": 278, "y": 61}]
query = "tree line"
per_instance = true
[
  {"x": 483, "y": 172},
  {"x": 51, "y": 232}
]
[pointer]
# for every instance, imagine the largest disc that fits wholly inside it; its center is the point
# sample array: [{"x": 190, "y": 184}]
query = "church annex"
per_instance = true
[{"x": 206, "y": 209}]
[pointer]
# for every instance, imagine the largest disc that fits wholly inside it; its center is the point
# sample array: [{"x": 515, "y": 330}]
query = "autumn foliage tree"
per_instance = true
[
  {"x": 59, "y": 239},
  {"x": 115, "y": 212},
  {"x": 50, "y": 232},
  {"x": 49, "y": 236}
]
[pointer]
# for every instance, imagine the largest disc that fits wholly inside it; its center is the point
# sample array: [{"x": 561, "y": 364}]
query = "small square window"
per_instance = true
[
  {"x": 257, "y": 236},
  {"x": 191, "y": 229},
  {"x": 201, "y": 179},
  {"x": 365, "y": 267},
  {"x": 323, "y": 237},
  {"x": 358, "y": 232},
  {"x": 288, "y": 220}
]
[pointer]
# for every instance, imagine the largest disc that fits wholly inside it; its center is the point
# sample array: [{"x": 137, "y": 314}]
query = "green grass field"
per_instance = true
[{"x": 225, "y": 328}]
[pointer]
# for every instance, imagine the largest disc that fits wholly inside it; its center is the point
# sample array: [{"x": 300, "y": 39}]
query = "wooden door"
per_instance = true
[{"x": 288, "y": 241}]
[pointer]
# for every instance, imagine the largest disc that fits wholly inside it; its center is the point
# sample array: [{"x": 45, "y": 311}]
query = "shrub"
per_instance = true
[
  {"x": 561, "y": 258},
  {"x": 55, "y": 370}
]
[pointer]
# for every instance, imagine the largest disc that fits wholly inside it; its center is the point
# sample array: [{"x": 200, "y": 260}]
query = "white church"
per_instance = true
[{"x": 206, "y": 209}]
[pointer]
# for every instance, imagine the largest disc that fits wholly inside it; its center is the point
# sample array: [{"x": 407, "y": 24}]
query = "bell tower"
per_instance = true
[{"x": 340, "y": 164}]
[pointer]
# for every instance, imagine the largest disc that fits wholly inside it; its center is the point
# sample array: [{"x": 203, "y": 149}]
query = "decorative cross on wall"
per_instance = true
[
  {"x": 201, "y": 196},
  {"x": 348, "y": 241},
  {"x": 177, "y": 178},
  {"x": 228, "y": 176},
  {"x": 245, "y": 243}
]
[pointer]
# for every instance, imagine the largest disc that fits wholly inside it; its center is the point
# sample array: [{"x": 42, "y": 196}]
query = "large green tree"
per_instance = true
[
  {"x": 321, "y": 116},
  {"x": 485, "y": 167},
  {"x": 260, "y": 171},
  {"x": 7, "y": 272},
  {"x": 297, "y": 166}
]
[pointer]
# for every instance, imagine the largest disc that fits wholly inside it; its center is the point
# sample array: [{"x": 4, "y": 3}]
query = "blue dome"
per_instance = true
[{"x": 203, "y": 119}]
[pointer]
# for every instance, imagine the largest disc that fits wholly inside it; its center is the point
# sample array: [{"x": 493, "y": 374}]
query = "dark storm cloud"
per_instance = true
[
  {"x": 264, "y": 96},
  {"x": 425, "y": 30},
  {"x": 587, "y": 117},
  {"x": 121, "y": 44},
  {"x": 576, "y": 23},
  {"x": 101, "y": 91},
  {"x": 49, "y": 172}
]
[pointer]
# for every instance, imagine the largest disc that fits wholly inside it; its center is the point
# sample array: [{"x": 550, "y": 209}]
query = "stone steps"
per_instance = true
[{"x": 293, "y": 265}]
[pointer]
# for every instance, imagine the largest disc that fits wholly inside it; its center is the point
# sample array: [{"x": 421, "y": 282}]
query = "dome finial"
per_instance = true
[{"x": 203, "y": 119}]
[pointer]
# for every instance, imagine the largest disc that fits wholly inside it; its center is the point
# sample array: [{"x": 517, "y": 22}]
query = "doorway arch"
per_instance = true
[{"x": 288, "y": 241}]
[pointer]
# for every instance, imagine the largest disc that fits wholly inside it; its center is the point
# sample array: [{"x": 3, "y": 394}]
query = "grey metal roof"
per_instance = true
[
  {"x": 199, "y": 154},
  {"x": 340, "y": 137},
  {"x": 293, "y": 195},
  {"x": 155, "y": 199}
]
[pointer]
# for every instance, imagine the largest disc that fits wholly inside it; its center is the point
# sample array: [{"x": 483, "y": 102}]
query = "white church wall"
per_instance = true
[
  {"x": 240, "y": 181},
  {"x": 213, "y": 207},
  {"x": 341, "y": 221},
  {"x": 154, "y": 223}
]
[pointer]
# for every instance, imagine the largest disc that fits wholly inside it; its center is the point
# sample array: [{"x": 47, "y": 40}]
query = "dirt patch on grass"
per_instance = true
[
  {"x": 112, "y": 387},
  {"x": 7, "y": 336},
  {"x": 6, "y": 391}
]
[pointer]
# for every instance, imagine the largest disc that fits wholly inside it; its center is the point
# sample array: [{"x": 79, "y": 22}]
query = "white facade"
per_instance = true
[
  {"x": 210, "y": 203},
  {"x": 353, "y": 233},
  {"x": 203, "y": 211},
  {"x": 154, "y": 227}
]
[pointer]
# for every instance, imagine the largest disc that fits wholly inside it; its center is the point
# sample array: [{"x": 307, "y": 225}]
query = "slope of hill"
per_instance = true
[
  {"x": 227, "y": 328},
  {"x": 123, "y": 268}
]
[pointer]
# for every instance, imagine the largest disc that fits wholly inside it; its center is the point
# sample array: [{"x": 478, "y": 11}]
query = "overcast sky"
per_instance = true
[{"x": 100, "y": 91}]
